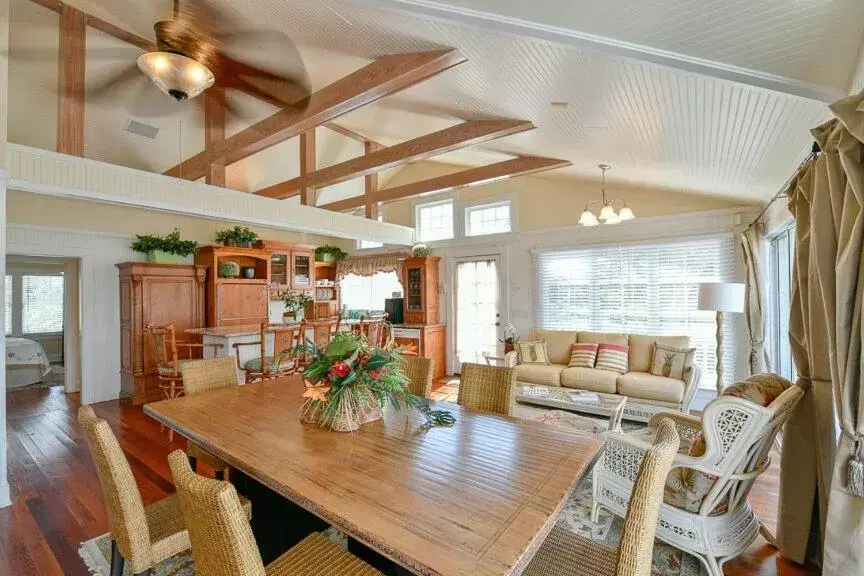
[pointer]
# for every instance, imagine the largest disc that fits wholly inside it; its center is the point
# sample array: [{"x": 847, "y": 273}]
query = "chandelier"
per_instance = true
[{"x": 607, "y": 211}]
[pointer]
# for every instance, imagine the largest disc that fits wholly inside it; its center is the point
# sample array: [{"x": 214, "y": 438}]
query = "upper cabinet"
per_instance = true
[
  {"x": 291, "y": 266},
  {"x": 421, "y": 290}
]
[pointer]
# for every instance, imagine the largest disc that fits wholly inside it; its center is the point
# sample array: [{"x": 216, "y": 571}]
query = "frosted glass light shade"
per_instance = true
[
  {"x": 607, "y": 212},
  {"x": 721, "y": 297},
  {"x": 178, "y": 76},
  {"x": 614, "y": 219},
  {"x": 626, "y": 214},
  {"x": 588, "y": 219}
]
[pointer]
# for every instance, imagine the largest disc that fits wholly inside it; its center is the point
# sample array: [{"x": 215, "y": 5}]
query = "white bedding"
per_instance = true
[{"x": 21, "y": 352}]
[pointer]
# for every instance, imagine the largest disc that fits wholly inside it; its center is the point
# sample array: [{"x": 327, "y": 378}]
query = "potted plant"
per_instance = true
[
  {"x": 294, "y": 300},
  {"x": 348, "y": 382},
  {"x": 244, "y": 236},
  {"x": 329, "y": 253},
  {"x": 510, "y": 338},
  {"x": 169, "y": 249},
  {"x": 226, "y": 237},
  {"x": 229, "y": 270},
  {"x": 420, "y": 250}
]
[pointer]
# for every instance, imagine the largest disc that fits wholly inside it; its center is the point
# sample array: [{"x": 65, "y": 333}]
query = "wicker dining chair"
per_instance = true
[
  {"x": 283, "y": 361},
  {"x": 223, "y": 543},
  {"x": 141, "y": 535},
  {"x": 564, "y": 553},
  {"x": 487, "y": 388},
  {"x": 169, "y": 357},
  {"x": 201, "y": 376},
  {"x": 419, "y": 372}
]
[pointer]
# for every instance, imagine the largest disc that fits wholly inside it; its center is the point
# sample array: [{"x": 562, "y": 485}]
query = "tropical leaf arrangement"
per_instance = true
[{"x": 348, "y": 382}]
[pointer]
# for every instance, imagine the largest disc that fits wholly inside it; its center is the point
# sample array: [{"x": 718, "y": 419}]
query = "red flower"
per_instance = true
[
  {"x": 374, "y": 374},
  {"x": 340, "y": 369}
]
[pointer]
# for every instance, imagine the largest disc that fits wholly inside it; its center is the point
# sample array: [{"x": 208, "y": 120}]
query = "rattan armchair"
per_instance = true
[
  {"x": 141, "y": 535},
  {"x": 566, "y": 554},
  {"x": 201, "y": 376},
  {"x": 223, "y": 543},
  {"x": 419, "y": 371},
  {"x": 487, "y": 388}
]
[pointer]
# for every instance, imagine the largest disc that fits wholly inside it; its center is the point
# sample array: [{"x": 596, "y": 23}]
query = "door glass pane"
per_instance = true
[
  {"x": 476, "y": 310},
  {"x": 41, "y": 304},
  {"x": 302, "y": 266},
  {"x": 413, "y": 290},
  {"x": 279, "y": 269}
]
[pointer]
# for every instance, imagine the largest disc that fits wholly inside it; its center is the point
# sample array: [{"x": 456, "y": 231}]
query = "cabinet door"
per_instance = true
[
  {"x": 302, "y": 270},
  {"x": 414, "y": 289},
  {"x": 279, "y": 268}
]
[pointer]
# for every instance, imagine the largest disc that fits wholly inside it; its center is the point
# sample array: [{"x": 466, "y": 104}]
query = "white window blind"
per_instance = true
[
  {"x": 41, "y": 304},
  {"x": 368, "y": 292},
  {"x": 8, "y": 303},
  {"x": 434, "y": 221},
  {"x": 487, "y": 219},
  {"x": 640, "y": 288}
]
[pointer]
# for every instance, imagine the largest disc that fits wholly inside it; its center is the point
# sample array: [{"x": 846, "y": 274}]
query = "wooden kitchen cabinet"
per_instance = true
[
  {"x": 155, "y": 294},
  {"x": 430, "y": 341},
  {"x": 292, "y": 266},
  {"x": 236, "y": 301},
  {"x": 420, "y": 281}
]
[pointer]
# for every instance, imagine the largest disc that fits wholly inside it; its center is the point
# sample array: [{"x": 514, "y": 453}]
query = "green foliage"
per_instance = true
[
  {"x": 225, "y": 236},
  {"x": 243, "y": 234},
  {"x": 295, "y": 300},
  {"x": 420, "y": 250},
  {"x": 171, "y": 243},
  {"x": 229, "y": 270},
  {"x": 336, "y": 252}
]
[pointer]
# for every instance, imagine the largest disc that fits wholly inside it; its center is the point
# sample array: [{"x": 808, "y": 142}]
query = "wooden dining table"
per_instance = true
[{"x": 476, "y": 498}]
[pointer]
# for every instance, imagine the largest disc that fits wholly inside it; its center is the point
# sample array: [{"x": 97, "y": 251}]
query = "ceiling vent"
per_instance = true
[{"x": 141, "y": 129}]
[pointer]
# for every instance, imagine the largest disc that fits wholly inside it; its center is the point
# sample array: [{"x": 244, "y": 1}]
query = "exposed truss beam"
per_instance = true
[
  {"x": 307, "y": 166},
  {"x": 214, "y": 132},
  {"x": 507, "y": 169},
  {"x": 447, "y": 140},
  {"x": 370, "y": 184},
  {"x": 384, "y": 76},
  {"x": 70, "y": 99},
  {"x": 611, "y": 47},
  {"x": 346, "y": 132}
]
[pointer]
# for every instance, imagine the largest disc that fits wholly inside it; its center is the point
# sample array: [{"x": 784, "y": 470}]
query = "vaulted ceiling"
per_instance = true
[{"x": 708, "y": 97}]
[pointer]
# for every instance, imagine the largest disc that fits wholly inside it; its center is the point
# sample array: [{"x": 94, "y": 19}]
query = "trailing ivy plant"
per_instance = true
[{"x": 170, "y": 243}]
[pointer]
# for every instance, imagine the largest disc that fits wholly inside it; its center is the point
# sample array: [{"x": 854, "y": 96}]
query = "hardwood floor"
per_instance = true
[{"x": 57, "y": 502}]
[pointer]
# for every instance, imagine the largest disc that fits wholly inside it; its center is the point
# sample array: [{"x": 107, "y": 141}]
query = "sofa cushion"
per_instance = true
[
  {"x": 533, "y": 352},
  {"x": 583, "y": 355},
  {"x": 612, "y": 357},
  {"x": 557, "y": 344},
  {"x": 544, "y": 375},
  {"x": 642, "y": 349},
  {"x": 602, "y": 338},
  {"x": 590, "y": 379},
  {"x": 672, "y": 362},
  {"x": 644, "y": 385}
]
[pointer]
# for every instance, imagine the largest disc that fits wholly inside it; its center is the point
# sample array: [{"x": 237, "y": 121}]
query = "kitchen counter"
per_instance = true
[{"x": 418, "y": 326}]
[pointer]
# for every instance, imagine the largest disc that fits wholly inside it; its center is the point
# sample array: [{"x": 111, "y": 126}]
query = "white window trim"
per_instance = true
[
  {"x": 467, "y": 207},
  {"x": 435, "y": 201},
  {"x": 459, "y": 215}
]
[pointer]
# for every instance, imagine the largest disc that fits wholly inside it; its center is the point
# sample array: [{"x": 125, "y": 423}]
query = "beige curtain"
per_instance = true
[
  {"x": 826, "y": 199},
  {"x": 752, "y": 248},
  {"x": 370, "y": 265}
]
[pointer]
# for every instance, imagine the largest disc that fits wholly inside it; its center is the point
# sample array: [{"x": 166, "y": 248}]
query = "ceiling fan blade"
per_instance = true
[
  {"x": 280, "y": 90},
  {"x": 150, "y": 102},
  {"x": 125, "y": 76}
]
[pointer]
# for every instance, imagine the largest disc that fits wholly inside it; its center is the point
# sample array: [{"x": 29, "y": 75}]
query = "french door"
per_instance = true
[{"x": 478, "y": 297}]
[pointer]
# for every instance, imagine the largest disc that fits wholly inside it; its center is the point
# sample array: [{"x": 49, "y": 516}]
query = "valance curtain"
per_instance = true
[
  {"x": 826, "y": 199},
  {"x": 370, "y": 265},
  {"x": 752, "y": 248}
]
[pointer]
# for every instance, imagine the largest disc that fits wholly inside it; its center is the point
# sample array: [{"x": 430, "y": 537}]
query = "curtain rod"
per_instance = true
[{"x": 814, "y": 151}]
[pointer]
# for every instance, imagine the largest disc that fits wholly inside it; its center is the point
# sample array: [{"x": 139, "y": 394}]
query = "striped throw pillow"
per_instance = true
[
  {"x": 582, "y": 355},
  {"x": 612, "y": 357}
]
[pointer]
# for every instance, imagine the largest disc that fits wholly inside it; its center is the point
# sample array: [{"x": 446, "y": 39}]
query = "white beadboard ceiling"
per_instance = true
[{"x": 662, "y": 126}]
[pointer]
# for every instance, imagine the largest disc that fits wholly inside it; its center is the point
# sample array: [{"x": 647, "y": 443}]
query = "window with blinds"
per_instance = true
[
  {"x": 41, "y": 304},
  {"x": 640, "y": 288},
  {"x": 8, "y": 304}
]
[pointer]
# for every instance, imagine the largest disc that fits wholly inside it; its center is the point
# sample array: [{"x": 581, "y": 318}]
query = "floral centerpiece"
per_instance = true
[{"x": 348, "y": 382}]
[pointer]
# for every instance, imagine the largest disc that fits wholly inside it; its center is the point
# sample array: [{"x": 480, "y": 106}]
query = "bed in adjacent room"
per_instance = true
[{"x": 26, "y": 363}]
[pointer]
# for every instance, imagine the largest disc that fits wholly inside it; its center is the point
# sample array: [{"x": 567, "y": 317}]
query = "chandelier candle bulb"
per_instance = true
[{"x": 607, "y": 208}]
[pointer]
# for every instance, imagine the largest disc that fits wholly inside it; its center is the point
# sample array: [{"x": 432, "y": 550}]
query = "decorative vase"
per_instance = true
[
  {"x": 509, "y": 348},
  {"x": 247, "y": 244},
  {"x": 162, "y": 257},
  {"x": 290, "y": 315},
  {"x": 327, "y": 257},
  {"x": 229, "y": 242},
  {"x": 249, "y": 272}
]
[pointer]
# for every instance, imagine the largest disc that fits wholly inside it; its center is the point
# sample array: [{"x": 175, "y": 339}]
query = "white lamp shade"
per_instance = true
[
  {"x": 607, "y": 212},
  {"x": 588, "y": 219},
  {"x": 614, "y": 219},
  {"x": 176, "y": 75},
  {"x": 721, "y": 297},
  {"x": 626, "y": 214}
]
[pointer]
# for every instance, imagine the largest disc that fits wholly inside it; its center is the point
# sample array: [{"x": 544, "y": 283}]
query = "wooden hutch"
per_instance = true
[
  {"x": 154, "y": 294},
  {"x": 421, "y": 309},
  {"x": 236, "y": 301}
]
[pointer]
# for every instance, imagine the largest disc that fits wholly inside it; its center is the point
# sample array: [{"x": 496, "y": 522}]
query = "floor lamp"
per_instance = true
[{"x": 721, "y": 297}]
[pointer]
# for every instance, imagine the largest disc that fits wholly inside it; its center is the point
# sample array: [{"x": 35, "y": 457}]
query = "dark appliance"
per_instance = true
[{"x": 395, "y": 310}]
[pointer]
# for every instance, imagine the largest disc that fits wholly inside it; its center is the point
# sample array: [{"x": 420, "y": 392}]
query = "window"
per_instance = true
[
  {"x": 41, "y": 304},
  {"x": 434, "y": 221},
  {"x": 367, "y": 293},
  {"x": 487, "y": 219},
  {"x": 644, "y": 288},
  {"x": 778, "y": 284},
  {"x": 8, "y": 304}
]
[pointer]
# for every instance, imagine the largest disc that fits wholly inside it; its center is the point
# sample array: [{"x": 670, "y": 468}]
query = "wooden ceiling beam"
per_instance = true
[
  {"x": 370, "y": 183},
  {"x": 214, "y": 132},
  {"x": 447, "y": 140},
  {"x": 507, "y": 169},
  {"x": 307, "y": 166},
  {"x": 346, "y": 132},
  {"x": 70, "y": 99},
  {"x": 384, "y": 76}
]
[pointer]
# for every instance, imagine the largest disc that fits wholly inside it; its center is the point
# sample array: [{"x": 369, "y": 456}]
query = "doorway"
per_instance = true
[{"x": 477, "y": 308}]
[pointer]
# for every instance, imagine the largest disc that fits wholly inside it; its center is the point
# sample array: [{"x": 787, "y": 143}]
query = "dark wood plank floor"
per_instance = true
[{"x": 57, "y": 502}]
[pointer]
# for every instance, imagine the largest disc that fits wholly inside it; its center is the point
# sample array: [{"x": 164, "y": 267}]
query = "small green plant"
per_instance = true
[
  {"x": 171, "y": 243},
  {"x": 420, "y": 250},
  {"x": 225, "y": 237},
  {"x": 295, "y": 300},
  {"x": 229, "y": 270},
  {"x": 244, "y": 235},
  {"x": 329, "y": 253}
]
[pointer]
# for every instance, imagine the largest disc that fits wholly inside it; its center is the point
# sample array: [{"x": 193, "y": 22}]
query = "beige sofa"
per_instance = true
[{"x": 646, "y": 393}]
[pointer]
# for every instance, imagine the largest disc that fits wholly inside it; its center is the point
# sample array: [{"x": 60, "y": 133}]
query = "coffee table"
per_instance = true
[{"x": 608, "y": 405}]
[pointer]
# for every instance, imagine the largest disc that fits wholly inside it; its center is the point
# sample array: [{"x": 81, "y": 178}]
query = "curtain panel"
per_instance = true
[
  {"x": 371, "y": 265},
  {"x": 752, "y": 248},
  {"x": 826, "y": 199}
]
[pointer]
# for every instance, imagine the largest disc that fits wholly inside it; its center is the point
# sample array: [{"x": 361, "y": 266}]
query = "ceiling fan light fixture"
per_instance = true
[{"x": 180, "y": 77}]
